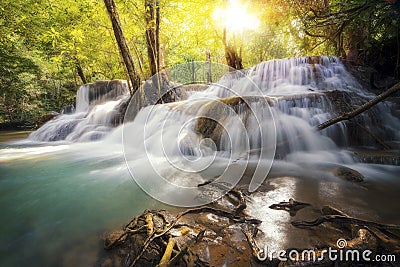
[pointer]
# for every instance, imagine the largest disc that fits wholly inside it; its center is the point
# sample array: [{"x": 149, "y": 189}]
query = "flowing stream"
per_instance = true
[{"x": 70, "y": 181}]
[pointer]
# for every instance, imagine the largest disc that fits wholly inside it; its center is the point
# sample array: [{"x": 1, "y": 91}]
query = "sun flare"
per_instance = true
[{"x": 235, "y": 18}]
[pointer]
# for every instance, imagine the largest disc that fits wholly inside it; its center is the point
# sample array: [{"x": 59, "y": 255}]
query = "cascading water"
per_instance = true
[
  {"x": 302, "y": 92},
  {"x": 299, "y": 93},
  {"x": 99, "y": 108}
]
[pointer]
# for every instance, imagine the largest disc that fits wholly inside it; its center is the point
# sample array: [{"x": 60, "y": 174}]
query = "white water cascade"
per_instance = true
[
  {"x": 99, "y": 108},
  {"x": 300, "y": 92},
  {"x": 294, "y": 94}
]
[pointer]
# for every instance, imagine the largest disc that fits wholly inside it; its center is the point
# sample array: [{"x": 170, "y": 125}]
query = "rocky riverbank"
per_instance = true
[{"x": 231, "y": 232}]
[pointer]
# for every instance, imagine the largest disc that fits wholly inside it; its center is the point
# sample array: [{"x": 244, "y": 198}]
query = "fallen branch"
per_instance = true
[
  {"x": 345, "y": 220},
  {"x": 362, "y": 108}
]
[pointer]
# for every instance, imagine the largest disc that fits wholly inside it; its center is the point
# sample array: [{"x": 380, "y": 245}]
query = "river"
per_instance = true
[{"x": 57, "y": 202}]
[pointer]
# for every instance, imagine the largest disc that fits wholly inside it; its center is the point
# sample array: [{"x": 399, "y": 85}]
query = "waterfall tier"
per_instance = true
[{"x": 100, "y": 106}]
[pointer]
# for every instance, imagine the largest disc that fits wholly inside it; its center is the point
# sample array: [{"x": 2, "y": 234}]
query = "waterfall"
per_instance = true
[
  {"x": 294, "y": 95},
  {"x": 99, "y": 108},
  {"x": 300, "y": 93},
  {"x": 247, "y": 120}
]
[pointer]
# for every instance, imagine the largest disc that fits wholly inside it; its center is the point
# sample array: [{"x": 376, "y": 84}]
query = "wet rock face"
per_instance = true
[
  {"x": 213, "y": 115},
  {"x": 107, "y": 90},
  {"x": 181, "y": 92},
  {"x": 99, "y": 92},
  {"x": 68, "y": 109},
  {"x": 370, "y": 79},
  {"x": 378, "y": 156},
  {"x": 99, "y": 107},
  {"x": 368, "y": 128}
]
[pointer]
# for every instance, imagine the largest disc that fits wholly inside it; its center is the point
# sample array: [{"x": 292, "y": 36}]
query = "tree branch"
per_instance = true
[{"x": 362, "y": 108}]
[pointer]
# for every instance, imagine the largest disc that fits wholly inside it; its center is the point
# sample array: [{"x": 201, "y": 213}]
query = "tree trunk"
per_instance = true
[
  {"x": 362, "y": 108},
  {"x": 233, "y": 58},
  {"x": 152, "y": 18},
  {"x": 397, "y": 69},
  {"x": 208, "y": 62},
  {"x": 79, "y": 70},
  {"x": 122, "y": 45}
]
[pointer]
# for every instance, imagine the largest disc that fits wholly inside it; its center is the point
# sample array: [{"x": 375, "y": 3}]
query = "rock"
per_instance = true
[
  {"x": 113, "y": 237},
  {"x": 348, "y": 174}
]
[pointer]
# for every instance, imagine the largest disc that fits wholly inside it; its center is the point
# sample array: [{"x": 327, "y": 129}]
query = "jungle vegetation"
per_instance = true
[{"x": 49, "y": 48}]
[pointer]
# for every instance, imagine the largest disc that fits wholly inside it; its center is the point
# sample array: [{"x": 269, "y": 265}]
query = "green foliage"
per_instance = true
[{"x": 43, "y": 43}]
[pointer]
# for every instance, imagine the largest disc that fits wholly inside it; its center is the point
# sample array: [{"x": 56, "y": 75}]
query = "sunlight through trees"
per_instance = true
[{"x": 48, "y": 48}]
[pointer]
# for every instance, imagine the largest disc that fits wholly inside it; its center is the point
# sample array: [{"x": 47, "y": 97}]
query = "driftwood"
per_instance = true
[
  {"x": 362, "y": 108},
  {"x": 219, "y": 212}
]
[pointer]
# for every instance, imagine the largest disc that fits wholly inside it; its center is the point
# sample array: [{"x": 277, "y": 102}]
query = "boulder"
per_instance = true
[{"x": 348, "y": 174}]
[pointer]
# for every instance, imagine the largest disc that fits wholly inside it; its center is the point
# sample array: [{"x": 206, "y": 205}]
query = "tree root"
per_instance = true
[
  {"x": 185, "y": 250},
  {"x": 255, "y": 250},
  {"x": 218, "y": 212},
  {"x": 345, "y": 220},
  {"x": 292, "y": 206},
  {"x": 168, "y": 253},
  {"x": 154, "y": 230}
]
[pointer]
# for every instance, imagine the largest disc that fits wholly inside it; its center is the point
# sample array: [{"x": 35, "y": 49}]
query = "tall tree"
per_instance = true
[
  {"x": 122, "y": 45},
  {"x": 152, "y": 19}
]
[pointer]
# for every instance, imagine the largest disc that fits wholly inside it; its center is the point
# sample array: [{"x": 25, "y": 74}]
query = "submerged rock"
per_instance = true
[{"x": 348, "y": 174}]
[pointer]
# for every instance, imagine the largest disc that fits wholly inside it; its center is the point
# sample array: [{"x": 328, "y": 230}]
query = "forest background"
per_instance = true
[{"x": 49, "y": 48}]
